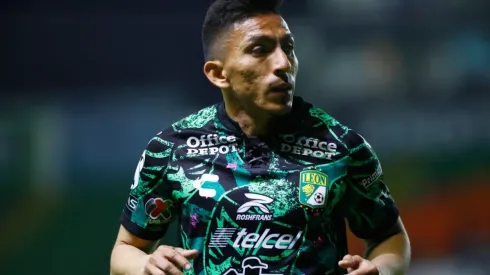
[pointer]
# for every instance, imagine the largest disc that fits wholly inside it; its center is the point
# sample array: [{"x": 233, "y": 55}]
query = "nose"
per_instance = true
[{"x": 282, "y": 64}]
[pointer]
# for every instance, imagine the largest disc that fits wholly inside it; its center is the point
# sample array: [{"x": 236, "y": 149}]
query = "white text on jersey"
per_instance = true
[
  {"x": 308, "y": 147},
  {"x": 266, "y": 240},
  {"x": 223, "y": 237},
  {"x": 211, "y": 145}
]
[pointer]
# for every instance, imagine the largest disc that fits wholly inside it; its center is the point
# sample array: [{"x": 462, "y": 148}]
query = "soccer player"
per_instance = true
[{"x": 262, "y": 182}]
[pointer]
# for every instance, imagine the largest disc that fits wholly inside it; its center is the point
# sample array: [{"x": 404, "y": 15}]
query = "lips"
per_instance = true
[{"x": 284, "y": 87}]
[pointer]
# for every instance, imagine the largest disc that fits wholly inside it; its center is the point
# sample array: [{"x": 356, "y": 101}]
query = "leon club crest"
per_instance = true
[{"x": 312, "y": 189}]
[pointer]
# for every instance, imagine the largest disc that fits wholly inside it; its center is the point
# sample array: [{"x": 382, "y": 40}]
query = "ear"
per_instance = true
[{"x": 216, "y": 74}]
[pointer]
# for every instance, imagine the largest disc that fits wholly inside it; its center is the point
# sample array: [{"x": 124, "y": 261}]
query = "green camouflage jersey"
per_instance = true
[{"x": 273, "y": 205}]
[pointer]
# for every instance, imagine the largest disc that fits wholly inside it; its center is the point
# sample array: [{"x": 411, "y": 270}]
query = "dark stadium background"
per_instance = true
[{"x": 85, "y": 84}]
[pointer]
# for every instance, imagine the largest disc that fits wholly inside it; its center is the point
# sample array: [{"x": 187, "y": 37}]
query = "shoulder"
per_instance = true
[
  {"x": 196, "y": 120},
  {"x": 318, "y": 115},
  {"x": 173, "y": 134},
  {"x": 319, "y": 119}
]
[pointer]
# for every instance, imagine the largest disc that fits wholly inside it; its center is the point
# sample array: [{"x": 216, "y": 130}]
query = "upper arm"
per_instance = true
[
  {"x": 150, "y": 206},
  {"x": 368, "y": 205}
]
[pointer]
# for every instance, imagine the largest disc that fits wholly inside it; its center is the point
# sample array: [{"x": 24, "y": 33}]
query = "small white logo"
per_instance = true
[
  {"x": 132, "y": 203},
  {"x": 257, "y": 201},
  {"x": 250, "y": 265},
  {"x": 221, "y": 236},
  {"x": 206, "y": 192},
  {"x": 136, "y": 178}
]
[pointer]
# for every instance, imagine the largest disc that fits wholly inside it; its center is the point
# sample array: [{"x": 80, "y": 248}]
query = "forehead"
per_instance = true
[{"x": 259, "y": 25}]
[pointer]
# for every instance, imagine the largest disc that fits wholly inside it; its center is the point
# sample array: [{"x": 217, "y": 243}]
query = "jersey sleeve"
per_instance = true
[
  {"x": 368, "y": 205},
  {"x": 150, "y": 206}
]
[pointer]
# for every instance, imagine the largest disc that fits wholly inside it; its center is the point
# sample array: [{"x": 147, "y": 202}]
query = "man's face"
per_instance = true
[{"x": 260, "y": 65}]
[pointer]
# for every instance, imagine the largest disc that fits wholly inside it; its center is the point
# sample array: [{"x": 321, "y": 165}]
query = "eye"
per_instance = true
[
  {"x": 259, "y": 50},
  {"x": 288, "y": 49}
]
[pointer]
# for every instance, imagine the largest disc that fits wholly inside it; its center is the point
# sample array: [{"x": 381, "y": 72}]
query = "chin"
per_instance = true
[
  {"x": 277, "y": 103},
  {"x": 279, "y": 109}
]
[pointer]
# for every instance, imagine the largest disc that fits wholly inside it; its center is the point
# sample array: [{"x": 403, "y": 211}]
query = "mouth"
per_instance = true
[{"x": 282, "y": 88}]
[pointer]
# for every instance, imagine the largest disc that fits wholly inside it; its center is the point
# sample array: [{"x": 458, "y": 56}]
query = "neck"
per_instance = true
[{"x": 252, "y": 122}]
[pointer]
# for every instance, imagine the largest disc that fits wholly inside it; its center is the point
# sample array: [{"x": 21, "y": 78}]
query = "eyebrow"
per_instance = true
[{"x": 255, "y": 38}]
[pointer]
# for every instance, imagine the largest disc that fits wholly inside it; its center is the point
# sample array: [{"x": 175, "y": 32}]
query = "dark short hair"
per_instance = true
[{"x": 223, "y": 13}]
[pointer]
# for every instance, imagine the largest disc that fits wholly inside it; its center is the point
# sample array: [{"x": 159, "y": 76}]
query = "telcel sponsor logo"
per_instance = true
[
  {"x": 266, "y": 240},
  {"x": 211, "y": 145}
]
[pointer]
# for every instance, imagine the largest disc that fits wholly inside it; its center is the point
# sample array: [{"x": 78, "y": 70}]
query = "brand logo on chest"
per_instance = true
[
  {"x": 211, "y": 144},
  {"x": 306, "y": 146}
]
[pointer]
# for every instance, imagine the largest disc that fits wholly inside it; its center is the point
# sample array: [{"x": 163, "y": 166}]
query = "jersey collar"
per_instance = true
[{"x": 286, "y": 124}]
